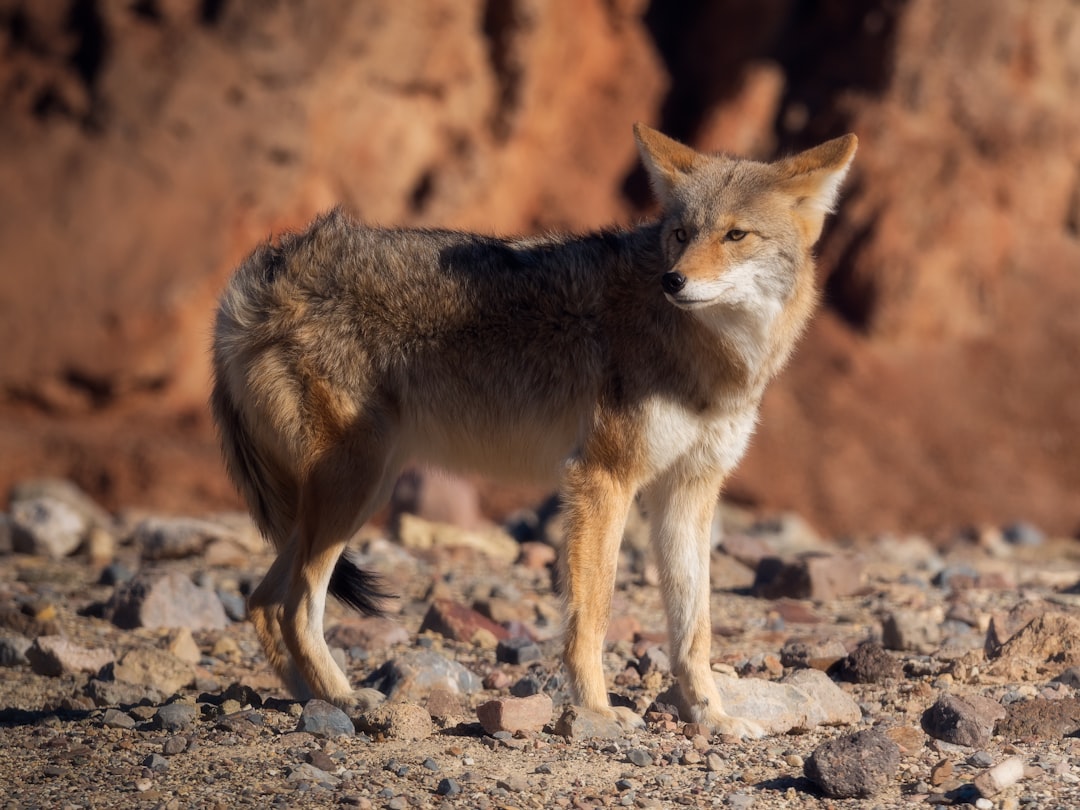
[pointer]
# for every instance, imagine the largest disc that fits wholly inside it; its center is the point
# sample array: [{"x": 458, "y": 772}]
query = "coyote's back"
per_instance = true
[{"x": 614, "y": 363}]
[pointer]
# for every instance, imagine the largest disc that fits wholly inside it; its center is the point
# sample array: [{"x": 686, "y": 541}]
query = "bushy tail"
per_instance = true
[{"x": 272, "y": 495}]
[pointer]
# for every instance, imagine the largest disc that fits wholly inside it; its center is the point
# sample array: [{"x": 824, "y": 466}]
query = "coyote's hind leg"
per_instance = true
[{"x": 344, "y": 488}]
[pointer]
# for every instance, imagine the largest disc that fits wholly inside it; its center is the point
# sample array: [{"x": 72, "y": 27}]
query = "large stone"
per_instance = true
[
  {"x": 397, "y": 721},
  {"x": 963, "y": 720},
  {"x": 156, "y": 668},
  {"x": 47, "y": 527},
  {"x": 173, "y": 538},
  {"x": 166, "y": 600},
  {"x": 856, "y": 765},
  {"x": 325, "y": 720},
  {"x": 56, "y": 655},
  {"x": 804, "y": 699}
]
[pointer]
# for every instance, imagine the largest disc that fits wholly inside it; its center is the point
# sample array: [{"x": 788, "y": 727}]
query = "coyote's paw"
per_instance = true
[
  {"x": 359, "y": 700},
  {"x": 625, "y": 716},
  {"x": 738, "y": 727}
]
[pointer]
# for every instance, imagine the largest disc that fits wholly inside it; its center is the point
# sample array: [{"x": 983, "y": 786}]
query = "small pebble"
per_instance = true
[
  {"x": 448, "y": 787},
  {"x": 639, "y": 757}
]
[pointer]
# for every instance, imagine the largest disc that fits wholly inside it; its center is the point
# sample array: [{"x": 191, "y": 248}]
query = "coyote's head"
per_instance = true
[{"x": 736, "y": 233}]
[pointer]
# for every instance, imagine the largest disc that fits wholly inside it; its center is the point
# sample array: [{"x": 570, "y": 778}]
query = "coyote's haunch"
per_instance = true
[{"x": 616, "y": 363}]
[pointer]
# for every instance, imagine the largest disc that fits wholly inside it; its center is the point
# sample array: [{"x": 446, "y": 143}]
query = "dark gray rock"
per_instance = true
[
  {"x": 518, "y": 651},
  {"x": 967, "y": 720},
  {"x": 325, "y": 720},
  {"x": 869, "y": 663},
  {"x": 175, "y": 717},
  {"x": 854, "y": 766},
  {"x": 448, "y": 787},
  {"x": 114, "y": 718}
]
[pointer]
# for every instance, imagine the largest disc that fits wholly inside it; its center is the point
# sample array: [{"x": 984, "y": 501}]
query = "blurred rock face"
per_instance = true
[{"x": 146, "y": 147}]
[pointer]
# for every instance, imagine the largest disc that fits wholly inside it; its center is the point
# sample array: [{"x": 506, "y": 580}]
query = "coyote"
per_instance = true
[{"x": 617, "y": 363}]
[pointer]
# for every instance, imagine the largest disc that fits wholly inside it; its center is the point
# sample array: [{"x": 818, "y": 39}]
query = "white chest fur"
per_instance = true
[{"x": 702, "y": 444}]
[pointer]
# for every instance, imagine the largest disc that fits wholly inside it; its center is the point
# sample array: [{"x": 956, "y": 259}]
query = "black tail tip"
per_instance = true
[{"x": 357, "y": 588}]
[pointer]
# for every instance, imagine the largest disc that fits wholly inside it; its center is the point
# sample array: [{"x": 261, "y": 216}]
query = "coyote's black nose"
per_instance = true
[{"x": 672, "y": 282}]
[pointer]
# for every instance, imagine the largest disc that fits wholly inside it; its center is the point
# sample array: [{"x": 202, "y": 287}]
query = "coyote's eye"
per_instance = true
[
  {"x": 680, "y": 234},
  {"x": 734, "y": 235}
]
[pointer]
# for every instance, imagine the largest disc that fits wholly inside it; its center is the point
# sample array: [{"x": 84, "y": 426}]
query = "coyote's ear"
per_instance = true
[
  {"x": 666, "y": 160},
  {"x": 816, "y": 174}
]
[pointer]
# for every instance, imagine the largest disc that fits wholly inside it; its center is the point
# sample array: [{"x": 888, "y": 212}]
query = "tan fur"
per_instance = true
[{"x": 615, "y": 363}]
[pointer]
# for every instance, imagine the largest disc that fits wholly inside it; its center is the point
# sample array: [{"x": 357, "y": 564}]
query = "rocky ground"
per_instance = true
[{"x": 891, "y": 671}]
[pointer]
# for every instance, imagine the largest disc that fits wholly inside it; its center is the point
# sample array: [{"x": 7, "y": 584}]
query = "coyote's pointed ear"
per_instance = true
[
  {"x": 817, "y": 173},
  {"x": 813, "y": 177},
  {"x": 666, "y": 160}
]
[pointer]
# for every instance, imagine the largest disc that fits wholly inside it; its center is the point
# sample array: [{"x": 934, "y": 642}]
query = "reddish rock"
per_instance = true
[
  {"x": 513, "y": 714},
  {"x": 367, "y": 632},
  {"x": 461, "y": 623}
]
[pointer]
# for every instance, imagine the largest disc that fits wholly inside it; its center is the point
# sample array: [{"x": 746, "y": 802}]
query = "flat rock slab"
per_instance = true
[{"x": 56, "y": 655}]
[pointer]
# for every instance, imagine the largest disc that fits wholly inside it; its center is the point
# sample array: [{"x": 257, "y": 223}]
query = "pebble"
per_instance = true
[
  {"x": 1041, "y": 718},
  {"x": 174, "y": 745},
  {"x": 156, "y": 762},
  {"x": 461, "y": 623},
  {"x": 325, "y": 720},
  {"x": 654, "y": 660},
  {"x": 517, "y": 651},
  {"x": 173, "y": 538},
  {"x": 912, "y": 630},
  {"x": 370, "y": 633},
  {"x": 639, "y": 757},
  {"x": 114, "y": 718},
  {"x": 306, "y": 772},
  {"x": 448, "y": 787}
]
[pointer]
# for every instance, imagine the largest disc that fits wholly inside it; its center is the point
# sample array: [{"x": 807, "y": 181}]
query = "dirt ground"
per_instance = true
[{"x": 67, "y": 743}]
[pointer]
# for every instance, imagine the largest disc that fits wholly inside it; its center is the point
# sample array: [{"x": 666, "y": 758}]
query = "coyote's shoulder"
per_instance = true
[{"x": 620, "y": 362}]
